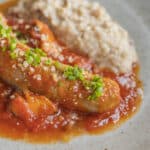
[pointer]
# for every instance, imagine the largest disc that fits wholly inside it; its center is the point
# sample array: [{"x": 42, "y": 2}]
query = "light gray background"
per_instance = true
[
  {"x": 142, "y": 8},
  {"x": 134, "y": 15}
]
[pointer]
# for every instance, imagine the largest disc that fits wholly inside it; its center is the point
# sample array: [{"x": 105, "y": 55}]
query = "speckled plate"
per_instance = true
[{"x": 135, "y": 133}]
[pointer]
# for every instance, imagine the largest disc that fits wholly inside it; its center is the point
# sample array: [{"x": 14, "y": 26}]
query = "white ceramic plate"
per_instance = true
[{"x": 134, "y": 134}]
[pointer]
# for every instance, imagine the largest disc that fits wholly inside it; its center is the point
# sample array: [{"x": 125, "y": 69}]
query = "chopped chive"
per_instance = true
[
  {"x": 13, "y": 55},
  {"x": 73, "y": 73},
  {"x": 48, "y": 62},
  {"x": 13, "y": 44},
  {"x": 57, "y": 64},
  {"x": 96, "y": 85},
  {"x": 39, "y": 52},
  {"x": 37, "y": 59}
]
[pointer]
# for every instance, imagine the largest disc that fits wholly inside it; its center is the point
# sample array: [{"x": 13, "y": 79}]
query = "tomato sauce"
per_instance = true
[{"x": 66, "y": 124}]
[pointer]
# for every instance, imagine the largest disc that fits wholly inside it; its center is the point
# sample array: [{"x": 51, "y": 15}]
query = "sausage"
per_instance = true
[
  {"x": 38, "y": 34},
  {"x": 30, "y": 107},
  {"x": 53, "y": 85},
  {"x": 49, "y": 80}
]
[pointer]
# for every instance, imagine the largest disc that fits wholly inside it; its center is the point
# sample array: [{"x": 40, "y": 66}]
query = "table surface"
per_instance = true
[{"x": 142, "y": 8}]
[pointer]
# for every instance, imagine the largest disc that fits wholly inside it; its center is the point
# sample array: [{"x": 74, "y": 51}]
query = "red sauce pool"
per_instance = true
[{"x": 66, "y": 124}]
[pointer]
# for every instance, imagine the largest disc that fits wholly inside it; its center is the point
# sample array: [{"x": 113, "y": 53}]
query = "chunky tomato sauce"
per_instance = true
[{"x": 66, "y": 124}]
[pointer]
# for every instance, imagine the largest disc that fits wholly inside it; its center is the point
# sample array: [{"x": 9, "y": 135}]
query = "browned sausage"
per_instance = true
[
  {"x": 38, "y": 34},
  {"x": 50, "y": 80}
]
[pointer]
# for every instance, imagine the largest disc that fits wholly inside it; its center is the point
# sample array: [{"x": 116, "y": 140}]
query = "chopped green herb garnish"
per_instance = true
[
  {"x": 13, "y": 55},
  {"x": 39, "y": 52},
  {"x": 37, "y": 59},
  {"x": 57, "y": 64},
  {"x": 96, "y": 85},
  {"x": 74, "y": 73},
  {"x": 32, "y": 58},
  {"x": 48, "y": 62},
  {"x": 13, "y": 44},
  {"x": 5, "y": 32}
]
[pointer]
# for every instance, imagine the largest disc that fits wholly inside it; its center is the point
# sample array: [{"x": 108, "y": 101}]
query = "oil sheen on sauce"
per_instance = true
[{"x": 60, "y": 126}]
